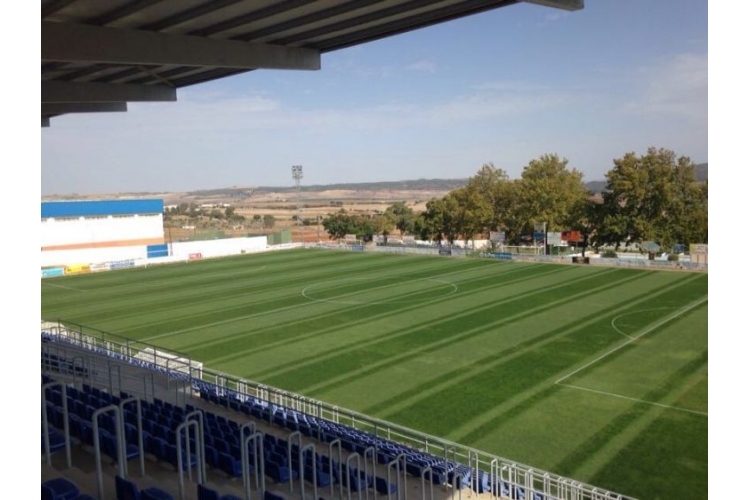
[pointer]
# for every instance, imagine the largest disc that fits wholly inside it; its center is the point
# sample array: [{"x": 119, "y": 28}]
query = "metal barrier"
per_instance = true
[{"x": 500, "y": 469}]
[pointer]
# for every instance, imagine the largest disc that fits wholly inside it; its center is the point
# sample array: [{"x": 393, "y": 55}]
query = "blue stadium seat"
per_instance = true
[
  {"x": 126, "y": 490},
  {"x": 155, "y": 494},
  {"x": 59, "y": 489},
  {"x": 383, "y": 487},
  {"x": 206, "y": 493}
]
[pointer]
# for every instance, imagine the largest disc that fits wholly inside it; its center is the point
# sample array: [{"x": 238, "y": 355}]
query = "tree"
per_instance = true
[
  {"x": 229, "y": 213},
  {"x": 489, "y": 186},
  {"x": 269, "y": 221},
  {"x": 382, "y": 225},
  {"x": 654, "y": 197},
  {"x": 550, "y": 193},
  {"x": 441, "y": 219},
  {"x": 338, "y": 225},
  {"x": 402, "y": 216},
  {"x": 473, "y": 213}
]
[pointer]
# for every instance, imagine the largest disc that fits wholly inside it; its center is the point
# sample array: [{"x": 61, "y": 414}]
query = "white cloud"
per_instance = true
[
  {"x": 511, "y": 86},
  {"x": 423, "y": 65},
  {"x": 196, "y": 113},
  {"x": 552, "y": 15},
  {"x": 677, "y": 88}
]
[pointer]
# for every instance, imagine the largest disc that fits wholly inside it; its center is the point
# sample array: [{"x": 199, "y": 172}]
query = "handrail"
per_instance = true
[
  {"x": 349, "y": 478},
  {"x": 66, "y": 425},
  {"x": 400, "y": 489},
  {"x": 200, "y": 442},
  {"x": 186, "y": 426},
  {"x": 301, "y": 452},
  {"x": 336, "y": 441},
  {"x": 291, "y": 436},
  {"x": 257, "y": 439},
  {"x": 421, "y": 477},
  {"x": 250, "y": 426},
  {"x": 137, "y": 401},
  {"x": 374, "y": 454},
  {"x": 97, "y": 452}
]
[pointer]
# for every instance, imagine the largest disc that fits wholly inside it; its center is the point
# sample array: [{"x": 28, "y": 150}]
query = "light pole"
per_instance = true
[{"x": 297, "y": 176}]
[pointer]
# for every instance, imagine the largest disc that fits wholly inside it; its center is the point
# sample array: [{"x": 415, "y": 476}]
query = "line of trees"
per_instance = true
[
  {"x": 194, "y": 212},
  {"x": 653, "y": 197}
]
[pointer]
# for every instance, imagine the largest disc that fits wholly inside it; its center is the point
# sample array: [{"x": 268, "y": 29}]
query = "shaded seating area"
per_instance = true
[{"x": 382, "y": 465}]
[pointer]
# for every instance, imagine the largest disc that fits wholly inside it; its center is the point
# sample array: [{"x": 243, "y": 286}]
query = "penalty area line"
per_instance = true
[
  {"x": 651, "y": 328},
  {"x": 63, "y": 286},
  {"x": 678, "y": 408}
]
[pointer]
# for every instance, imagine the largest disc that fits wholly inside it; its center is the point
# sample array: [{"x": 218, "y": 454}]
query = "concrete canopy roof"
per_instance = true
[{"x": 98, "y": 55}]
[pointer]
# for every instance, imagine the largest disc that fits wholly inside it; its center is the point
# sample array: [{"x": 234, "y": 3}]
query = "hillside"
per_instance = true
[{"x": 421, "y": 188}]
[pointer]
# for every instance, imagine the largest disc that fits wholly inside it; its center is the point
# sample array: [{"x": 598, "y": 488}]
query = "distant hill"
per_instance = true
[
  {"x": 412, "y": 185},
  {"x": 701, "y": 173},
  {"x": 596, "y": 187}
]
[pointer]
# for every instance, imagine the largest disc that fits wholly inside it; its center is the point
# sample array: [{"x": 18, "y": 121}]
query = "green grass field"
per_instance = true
[{"x": 599, "y": 374}]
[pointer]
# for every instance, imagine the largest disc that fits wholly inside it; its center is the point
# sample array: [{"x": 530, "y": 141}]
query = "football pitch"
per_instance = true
[{"x": 598, "y": 374}]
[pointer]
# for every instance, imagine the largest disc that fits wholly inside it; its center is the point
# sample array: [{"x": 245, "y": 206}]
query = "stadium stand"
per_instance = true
[{"x": 108, "y": 410}]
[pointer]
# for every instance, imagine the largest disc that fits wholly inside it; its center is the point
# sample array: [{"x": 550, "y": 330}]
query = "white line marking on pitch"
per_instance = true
[
  {"x": 614, "y": 327},
  {"x": 255, "y": 315},
  {"x": 62, "y": 286},
  {"x": 653, "y": 327},
  {"x": 644, "y": 332},
  {"x": 634, "y": 399}
]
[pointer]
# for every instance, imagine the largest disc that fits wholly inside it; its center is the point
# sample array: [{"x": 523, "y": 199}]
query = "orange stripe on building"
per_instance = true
[{"x": 106, "y": 244}]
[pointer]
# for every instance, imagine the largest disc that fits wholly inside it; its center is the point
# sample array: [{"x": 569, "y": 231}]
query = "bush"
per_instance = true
[
  {"x": 673, "y": 257},
  {"x": 609, "y": 254}
]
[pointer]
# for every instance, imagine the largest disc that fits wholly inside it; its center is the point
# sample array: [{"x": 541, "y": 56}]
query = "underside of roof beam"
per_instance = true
[
  {"x": 559, "y": 4},
  {"x": 83, "y": 43},
  {"x": 66, "y": 92},
  {"x": 61, "y": 108}
]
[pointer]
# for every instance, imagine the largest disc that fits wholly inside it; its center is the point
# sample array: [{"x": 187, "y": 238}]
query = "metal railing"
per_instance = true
[{"x": 501, "y": 471}]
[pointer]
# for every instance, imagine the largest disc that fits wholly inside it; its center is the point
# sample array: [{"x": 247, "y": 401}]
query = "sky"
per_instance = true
[{"x": 501, "y": 87}]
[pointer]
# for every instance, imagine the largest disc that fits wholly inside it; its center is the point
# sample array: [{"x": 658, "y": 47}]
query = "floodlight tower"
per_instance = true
[{"x": 297, "y": 176}]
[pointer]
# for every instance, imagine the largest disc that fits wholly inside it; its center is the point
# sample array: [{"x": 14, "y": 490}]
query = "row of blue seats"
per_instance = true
[
  {"x": 148, "y": 365},
  {"x": 61, "y": 365},
  {"x": 220, "y": 453},
  {"x": 357, "y": 440},
  {"x": 352, "y": 439},
  {"x": 128, "y": 490}
]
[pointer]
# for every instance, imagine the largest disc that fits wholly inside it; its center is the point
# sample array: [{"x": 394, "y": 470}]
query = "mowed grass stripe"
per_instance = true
[
  {"x": 386, "y": 319},
  {"x": 395, "y": 349},
  {"x": 135, "y": 281},
  {"x": 613, "y": 450},
  {"x": 513, "y": 401},
  {"x": 645, "y": 361},
  {"x": 234, "y": 308},
  {"x": 581, "y": 454},
  {"x": 201, "y": 309},
  {"x": 360, "y": 331},
  {"x": 502, "y": 377},
  {"x": 296, "y": 308},
  {"x": 528, "y": 432},
  {"x": 457, "y": 362},
  {"x": 520, "y": 404},
  {"x": 185, "y": 301},
  {"x": 681, "y": 471}
]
